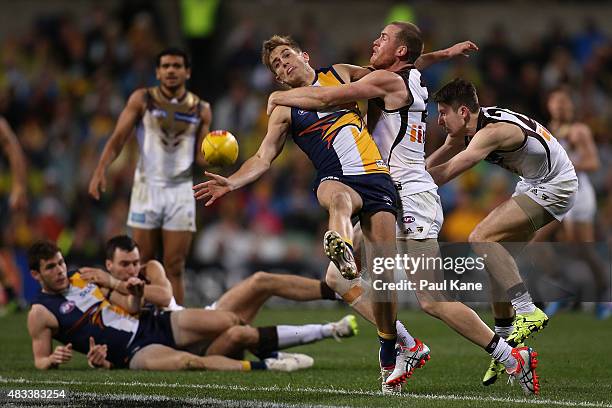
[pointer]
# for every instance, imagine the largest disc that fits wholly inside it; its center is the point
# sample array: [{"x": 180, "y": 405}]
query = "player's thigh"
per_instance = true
[
  {"x": 547, "y": 233},
  {"x": 193, "y": 325},
  {"x": 379, "y": 227},
  {"x": 176, "y": 245},
  {"x": 332, "y": 190},
  {"x": 159, "y": 358},
  {"x": 148, "y": 242},
  {"x": 507, "y": 222},
  {"x": 245, "y": 298}
]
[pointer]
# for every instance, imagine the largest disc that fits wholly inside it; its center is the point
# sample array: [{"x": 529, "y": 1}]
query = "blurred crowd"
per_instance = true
[{"x": 64, "y": 82}]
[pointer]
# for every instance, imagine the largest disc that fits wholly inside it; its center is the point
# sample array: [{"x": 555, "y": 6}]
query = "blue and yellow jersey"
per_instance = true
[
  {"x": 83, "y": 311},
  {"x": 336, "y": 140}
]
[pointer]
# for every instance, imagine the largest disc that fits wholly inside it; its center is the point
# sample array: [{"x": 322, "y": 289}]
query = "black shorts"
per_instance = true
[
  {"x": 376, "y": 191},
  {"x": 154, "y": 328}
]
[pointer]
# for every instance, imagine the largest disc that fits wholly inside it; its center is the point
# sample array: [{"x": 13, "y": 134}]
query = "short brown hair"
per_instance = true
[
  {"x": 41, "y": 251},
  {"x": 276, "y": 41},
  {"x": 410, "y": 36},
  {"x": 458, "y": 92}
]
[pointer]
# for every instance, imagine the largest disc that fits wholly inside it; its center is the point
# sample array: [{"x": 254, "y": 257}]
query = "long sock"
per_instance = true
[
  {"x": 386, "y": 353},
  {"x": 403, "y": 335},
  {"x": 504, "y": 327},
  {"x": 501, "y": 351},
  {"x": 289, "y": 336},
  {"x": 253, "y": 365},
  {"x": 521, "y": 299}
]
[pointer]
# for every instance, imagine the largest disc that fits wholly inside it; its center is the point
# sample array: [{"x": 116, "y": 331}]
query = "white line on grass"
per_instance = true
[
  {"x": 332, "y": 391},
  {"x": 204, "y": 402}
]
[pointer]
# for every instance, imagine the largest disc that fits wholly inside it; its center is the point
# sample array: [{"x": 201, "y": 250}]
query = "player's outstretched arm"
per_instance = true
[
  {"x": 483, "y": 143},
  {"x": 253, "y": 168},
  {"x": 374, "y": 85},
  {"x": 206, "y": 118},
  {"x": 125, "y": 125},
  {"x": 451, "y": 146},
  {"x": 460, "y": 49},
  {"x": 39, "y": 327},
  {"x": 14, "y": 153}
]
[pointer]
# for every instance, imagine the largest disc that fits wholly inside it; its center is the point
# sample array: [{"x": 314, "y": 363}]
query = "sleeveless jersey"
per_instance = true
[
  {"x": 540, "y": 158},
  {"x": 83, "y": 311},
  {"x": 166, "y": 138},
  {"x": 400, "y": 135},
  {"x": 336, "y": 140}
]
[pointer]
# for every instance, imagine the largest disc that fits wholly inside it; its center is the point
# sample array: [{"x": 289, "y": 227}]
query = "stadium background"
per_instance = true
[{"x": 67, "y": 68}]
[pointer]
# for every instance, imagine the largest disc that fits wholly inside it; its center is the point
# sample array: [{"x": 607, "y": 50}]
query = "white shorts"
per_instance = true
[
  {"x": 556, "y": 197},
  {"x": 171, "y": 208},
  {"x": 585, "y": 205},
  {"x": 420, "y": 216}
]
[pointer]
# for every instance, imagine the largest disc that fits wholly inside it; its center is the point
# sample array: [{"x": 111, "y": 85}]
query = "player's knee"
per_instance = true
[
  {"x": 260, "y": 280},
  {"x": 174, "y": 265},
  {"x": 478, "y": 236},
  {"x": 428, "y": 304},
  {"x": 239, "y": 336},
  {"x": 340, "y": 201}
]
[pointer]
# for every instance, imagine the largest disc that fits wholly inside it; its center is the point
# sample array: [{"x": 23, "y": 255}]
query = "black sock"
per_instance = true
[
  {"x": 504, "y": 321},
  {"x": 327, "y": 292},
  {"x": 258, "y": 365},
  {"x": 268, "y": 341},
  {"x": 492, "y": 344},
  {"x": 517, "y": 290}
]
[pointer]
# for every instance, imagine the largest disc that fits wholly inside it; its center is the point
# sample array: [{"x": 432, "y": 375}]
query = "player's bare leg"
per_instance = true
[
  {"x": 192, "y": 326},
  {"x": 148, "y": 241},
  {"x": 509, "y": 223},
  {"x": 176, "y": 248},
  {"x": 341, "y": 202},
  {"x": 264, "y": 341},
  {"x": 163, "y": 358},
  {"x": 246, "y": 298}
]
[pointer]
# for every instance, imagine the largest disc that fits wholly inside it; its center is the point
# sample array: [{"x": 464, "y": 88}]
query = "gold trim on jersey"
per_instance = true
[{"x": 164, "y": 111}]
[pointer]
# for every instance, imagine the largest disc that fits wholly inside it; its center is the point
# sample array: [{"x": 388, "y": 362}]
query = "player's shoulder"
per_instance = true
[
  {"x": 139, "y": 97},
  {"x": 40, "y": 316}
]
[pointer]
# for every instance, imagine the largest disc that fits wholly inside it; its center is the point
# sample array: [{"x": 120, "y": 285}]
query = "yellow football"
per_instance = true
[{"x": 220, "y": 148}]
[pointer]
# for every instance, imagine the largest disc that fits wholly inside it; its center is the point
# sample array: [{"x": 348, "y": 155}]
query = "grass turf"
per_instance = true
[{"x": 575, "y": 367}]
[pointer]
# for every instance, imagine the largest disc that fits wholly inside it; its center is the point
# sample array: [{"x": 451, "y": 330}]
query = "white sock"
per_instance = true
[
  {"x": 289, "y": 336},
  {"x": 504, "y": 331},
  {"x": 403, "y": 335},
  {"x": 521, "y": 299},
  {"x": 523, "y": 304},
  {"x": 502, "y": 352}
]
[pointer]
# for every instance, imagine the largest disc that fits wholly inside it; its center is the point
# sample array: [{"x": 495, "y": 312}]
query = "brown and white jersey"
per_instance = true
[
  {"x": 166, "y": 138},
  {"x": 540, "y": 158},
  {"x": 400, "y": 135}
]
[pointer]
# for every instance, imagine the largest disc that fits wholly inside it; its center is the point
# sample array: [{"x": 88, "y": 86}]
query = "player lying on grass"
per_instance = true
[
  {"x": 114, "y": 332},
  {"x": 245, "y": 300}
]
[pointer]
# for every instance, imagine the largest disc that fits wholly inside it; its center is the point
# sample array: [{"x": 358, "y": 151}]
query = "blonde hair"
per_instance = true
[{"x": 273, "y": 42}]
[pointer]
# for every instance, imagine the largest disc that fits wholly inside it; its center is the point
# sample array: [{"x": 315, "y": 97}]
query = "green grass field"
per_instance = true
[{"x": 575, "y": 370}]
